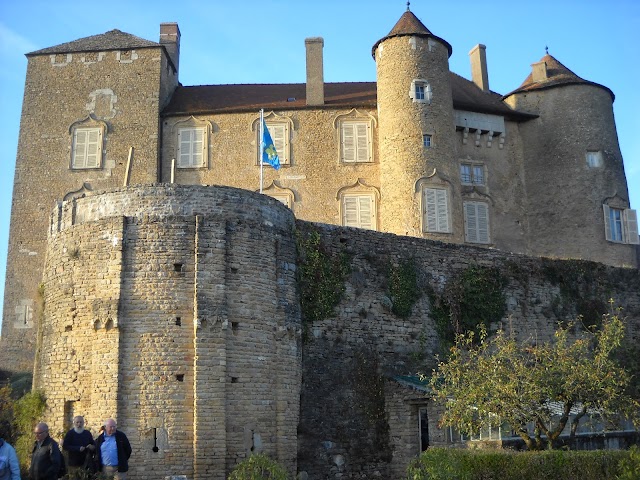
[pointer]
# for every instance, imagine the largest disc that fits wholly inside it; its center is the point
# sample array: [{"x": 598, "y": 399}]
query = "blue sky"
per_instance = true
[{"x": 263, "y": 42}]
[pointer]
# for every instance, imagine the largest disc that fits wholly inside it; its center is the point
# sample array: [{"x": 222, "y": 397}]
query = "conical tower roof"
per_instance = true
[
  {"x": 111, "y": 40},
  {"x": 409, "y": 25},
  {"x": 557, "y": 75}
]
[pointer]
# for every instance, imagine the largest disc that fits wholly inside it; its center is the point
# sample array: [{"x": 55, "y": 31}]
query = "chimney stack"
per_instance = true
[
  {"x": 170, "y": 39},
  {"x": 539, "y": 72},
  {"x": 315, "y": 74},
  {"x": 479, "y": 74}
]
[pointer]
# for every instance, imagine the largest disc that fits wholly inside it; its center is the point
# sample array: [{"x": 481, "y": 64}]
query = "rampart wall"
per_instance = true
[{"x": 176, "y": 309}]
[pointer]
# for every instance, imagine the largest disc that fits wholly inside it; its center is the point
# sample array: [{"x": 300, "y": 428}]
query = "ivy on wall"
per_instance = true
[
  {"x": 403, "y": 287},
  {"x": 321, "y": 276},
  {"x": 471, "y": 297}
]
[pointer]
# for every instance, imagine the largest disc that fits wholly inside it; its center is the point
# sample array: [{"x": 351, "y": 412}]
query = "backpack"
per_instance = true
[{"x": 63, "y": 464}]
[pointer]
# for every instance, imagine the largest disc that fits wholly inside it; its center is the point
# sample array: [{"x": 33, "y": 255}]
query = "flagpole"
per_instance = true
[{"x": 261, "y": 140}]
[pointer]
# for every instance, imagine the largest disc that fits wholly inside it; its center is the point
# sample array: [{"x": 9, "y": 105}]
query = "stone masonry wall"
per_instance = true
[
  {"x": 351, "y": 358},
  {"x": 120, "y": 93},
  {"x": 174, "y": 310}
]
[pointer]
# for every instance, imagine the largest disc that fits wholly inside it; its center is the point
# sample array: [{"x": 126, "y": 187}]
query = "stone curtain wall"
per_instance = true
[
  {"x": 174, "y": 309},
  {"x": 356, "y": 421}
]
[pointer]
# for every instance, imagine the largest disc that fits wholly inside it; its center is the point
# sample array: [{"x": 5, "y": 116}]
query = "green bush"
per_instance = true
[
  {"x": 454, "y": 464},
  {"x": 258, "y": 467},
  {"x": 27, "y": 412}
]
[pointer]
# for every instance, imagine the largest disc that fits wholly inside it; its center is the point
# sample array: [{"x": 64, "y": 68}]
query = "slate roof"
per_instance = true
[
  {"x": 409, "y": 25},
  {"x": 111, "y": 40},
  {"x": 558, "y": 75},
  {"x": 211, "y": 99}
]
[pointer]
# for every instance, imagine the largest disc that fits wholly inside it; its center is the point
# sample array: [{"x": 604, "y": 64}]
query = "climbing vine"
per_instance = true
[
  {"x": 472, "y": 297},
  {"x": 403, "y": 287},
  {"x": 321, "y": 276}
]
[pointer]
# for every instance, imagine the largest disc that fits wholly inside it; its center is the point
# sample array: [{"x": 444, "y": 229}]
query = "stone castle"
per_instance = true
[{"x": 174, "y": 306}]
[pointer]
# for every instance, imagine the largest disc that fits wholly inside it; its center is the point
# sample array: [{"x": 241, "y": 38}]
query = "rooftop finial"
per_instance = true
[
  {"x": 408, "y": 4},
  {"x": 546, "y": 49}
]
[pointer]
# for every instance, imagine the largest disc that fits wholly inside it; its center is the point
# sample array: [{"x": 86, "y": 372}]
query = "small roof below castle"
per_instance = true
[
  {"x": 111, "y": 40},
  {"x": 556, "y": 75},
  {"x": 409, "y": 25}
]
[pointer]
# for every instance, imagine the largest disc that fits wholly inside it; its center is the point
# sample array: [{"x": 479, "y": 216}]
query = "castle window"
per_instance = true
[
  {"x": 87, "y": 148},
  {"x": 192, "y": 147},
  {"x": 476, "y": 222},
  {"x": 359, "y": 211},
  {"x": 283, "y": 198},
  {"x": 472, "y": 174},
  {"x": 279, "y": 132},
  {"x": 420, "y": 91},
  {"x": 355, "y": 142},
  {"x": 594, "y": 159},
  {"x": 435, "y": 210},
  {"x": 426, "y": 140},
  {"x": 621, "y": 225}
]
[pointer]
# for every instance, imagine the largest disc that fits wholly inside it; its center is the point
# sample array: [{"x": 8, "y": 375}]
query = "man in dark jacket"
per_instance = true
[
  {"x": 113, "y": 451},
  {"x": 80, "y": 446},
  {"x": 46, "y": 457}
]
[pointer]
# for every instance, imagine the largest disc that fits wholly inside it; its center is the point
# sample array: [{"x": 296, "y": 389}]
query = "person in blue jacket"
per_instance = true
[{"x": 9, "y": 466}]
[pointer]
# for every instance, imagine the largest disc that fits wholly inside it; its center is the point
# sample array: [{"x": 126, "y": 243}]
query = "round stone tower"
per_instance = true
[
  {"x": 578, "y": 203},
  {"x": 416, "y": 125},
  {"x": 173, "y": 309}
]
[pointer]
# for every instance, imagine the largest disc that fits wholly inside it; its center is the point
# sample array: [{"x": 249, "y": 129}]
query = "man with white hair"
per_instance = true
[
  {"x": 113, "y": 451},
  {"x": 80, "y": 446}
]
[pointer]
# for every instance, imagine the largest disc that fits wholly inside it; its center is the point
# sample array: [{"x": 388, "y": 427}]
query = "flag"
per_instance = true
[{"x": 269, "y": 154}]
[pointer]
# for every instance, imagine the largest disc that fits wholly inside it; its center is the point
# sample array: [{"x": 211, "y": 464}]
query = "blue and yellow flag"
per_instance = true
[{"x": 269, "y": 154}]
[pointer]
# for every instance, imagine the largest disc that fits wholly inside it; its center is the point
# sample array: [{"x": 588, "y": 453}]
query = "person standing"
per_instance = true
[
  {"x": 46, "y": 458},
  {"x": 9, "y": 466},
  {"x": 80, "y": 446},
  {"x": 113, "y": 451}
]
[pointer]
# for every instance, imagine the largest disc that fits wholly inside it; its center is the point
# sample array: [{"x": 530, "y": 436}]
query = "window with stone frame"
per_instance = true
[
  {"x": 435, "y": 210},
  {"x": 279, "y": 132},
  {"x": 86, "y": 149},
  {"x": 192, "y": 147},
  {"x": 472, "y": 174},
  {"x": 621, "y": 225},
  {"x": 359, "y": 210},
  {"x": 355, "y": 141},
  {"x": 476, "y": 222},
  {"x": 420, "y": 91}
]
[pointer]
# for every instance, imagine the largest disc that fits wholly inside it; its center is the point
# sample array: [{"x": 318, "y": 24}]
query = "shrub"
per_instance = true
[
  {"x": 450, "y": 464},
  {"x": 258, "y": 467}
]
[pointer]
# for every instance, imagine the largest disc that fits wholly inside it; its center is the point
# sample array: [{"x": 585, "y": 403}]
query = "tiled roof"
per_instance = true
[
  {"x": 112, "y": 40},
  {"x": 409, "y": 25},
  {"x": 557, "y": 75},
  {"x": 209, "y": 99}
]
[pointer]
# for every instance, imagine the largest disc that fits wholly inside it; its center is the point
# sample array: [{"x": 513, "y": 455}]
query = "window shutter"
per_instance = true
[
  {"x": 79, "y": 148},
  {"x": 482, "y": 210},
  {"x": 443, "y": 210},
  {"x": 470, "y": 222},
  {"x": 197, "y": 147},
  {"x": 348, "y": 142},
  {"x": 350, "y": 211},
  {"x": 366, "y": 212},
  {"x": 191, "y": 147},
  {"x": 184, "y": 147},
  {"x": 631, "y": 226},
  {"x": 278, "y": 135},
  {"x": 362, "y": 142},
  {"x": 607, "y": 223},
  {"x": 93, "y": 148},
  {"x": 436, "y": 210}
]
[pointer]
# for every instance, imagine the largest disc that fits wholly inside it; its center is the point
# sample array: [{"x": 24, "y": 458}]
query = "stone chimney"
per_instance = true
[
  {"x": 479, "y": 74},
  {"x": 170, "y": 39},
  {"x": 539, "y": 72},
  {"x": 315, "y": 74}
]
